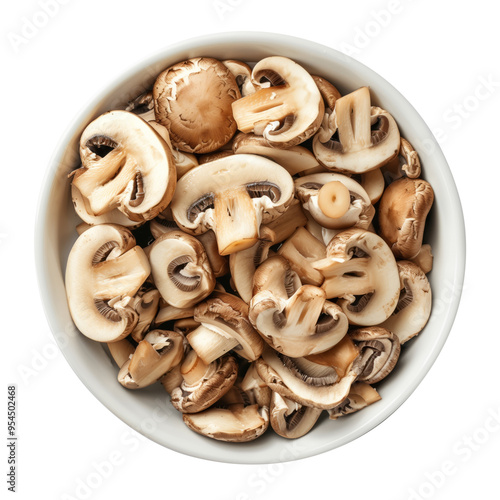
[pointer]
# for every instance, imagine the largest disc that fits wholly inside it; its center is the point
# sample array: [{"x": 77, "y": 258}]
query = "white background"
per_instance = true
[{"x": 444, "y": 58}]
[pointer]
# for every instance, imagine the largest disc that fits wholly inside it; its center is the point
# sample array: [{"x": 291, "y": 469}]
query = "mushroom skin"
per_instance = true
[
  {"x": 294, "y": 320},
  {"x": 358, "y": 148},
  {"x": 414, "y": 305},
  {"x": 360, "y": 264},
  {"x": 287, "y": 112},
  {"x": 232, "y": 196},
  {"x": 193, "y": 100},
  {"x": 105, "y": 270},
  {"x": 206, "y": 386},
  {"x": 379, "y": 351},
  {"x": 290, "y": 419},
  {"x": 180, "y": 269},
  {"x": 359, "y": 214},
  {"x": 125, "y": 165},
  {"x": 403, "y": 209}
]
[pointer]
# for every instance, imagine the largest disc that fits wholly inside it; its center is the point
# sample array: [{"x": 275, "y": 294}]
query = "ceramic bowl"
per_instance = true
[{"x": 149, "y": 411}]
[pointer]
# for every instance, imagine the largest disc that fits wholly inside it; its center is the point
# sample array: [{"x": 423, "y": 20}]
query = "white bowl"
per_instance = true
[{"x": 149, "y": 411}]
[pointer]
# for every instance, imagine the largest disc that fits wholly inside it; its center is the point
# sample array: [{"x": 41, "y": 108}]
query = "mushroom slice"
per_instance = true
[
  {"x": 125, "y": 165},
  {"x": 167, "y": 312},
  {"x": 424, "y": 258},
  {"x": 407, "y": 163},
  {"x": 340, "y": 356},
  {"x": 121, "y": 351},
  {"x": 242, "y": 72},
  {"x": 295, "y": 322},
  {"x": 224, "y": 326},
  {"x": 203, "y": 384},
  {"x": 361, "y": 269},
  {"x": 290, "y": 419},
  {"x": 360, "y": 396},
  {"x": 180, "y": 269},
  {"x": 232, "y": 196},
  {"x": 373, "y": 183},
  {"x": 183, "y": 161},
  {"x": 83, "y": 211},
  {"x": 328, "y": 92},
  {"x": 185, "y": 325},
  {"x": 378, "y": 353},
  {"x": 154, "y": 356},
  {"x": 255, "y": 388},
  {"x": 286, "y": 113},
  {"x": 295, "y": 159},
  {"x": 301, "y": 250},
  {"x": 105, "y": 270},
  {"x": 193, "y": 100},
  {"x": 335, "y": 201},
  {"x": 244, "y": 263},
  {"x": 236, "y": 423},
  {"x": 302, "y": 384},
  {"x": 145, "y": 304},
  {"x": 414, "y": 304},
  {"x": 358, "y": 137},
  {"x": 218, "y": 263},
  {"x": 161, "y": 225},
  {"x": 402, "y": 212},
  {"x": 285, "y": 225},
  {"x": 216, "y": 155},
  {"x": 143, "y": 106},
  {"x": 172, "y": 379}
]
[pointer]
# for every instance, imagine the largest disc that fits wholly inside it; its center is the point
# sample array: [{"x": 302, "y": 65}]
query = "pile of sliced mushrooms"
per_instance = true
[{"x": 252, "y": 240}]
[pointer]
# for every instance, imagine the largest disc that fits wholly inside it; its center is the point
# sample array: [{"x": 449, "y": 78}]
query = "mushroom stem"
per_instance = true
[
  {"x": 209, "y": 344},
  {"x": 236, "y": 224},
  {"x": 285, "y": 225},
  {"x": 304, "y": 308},
  {"x": 193, "y": 368},
  {"x": 334, "y": 199}
]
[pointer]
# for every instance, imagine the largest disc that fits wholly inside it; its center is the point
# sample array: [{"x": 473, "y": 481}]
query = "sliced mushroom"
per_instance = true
[
  {"x": 121, "y": 351},
  {"x": 290, "y": 419},
  {"x": 301, "y": 250},
  {"x": 340, "y": 357},
  {"x": 424, "y": 258},
  {"x": 294, "y": 320},
  {"x": 218, "y": 263},
  {"x": 172, "y": 379},
  {"x": 184, "y": 162},
  {"x": 244, "y": 263},
  {"x": 373, "y": 183},
  {"x": 224, "y": 326},
  {"x": 216, "y": 155},
  {"x": 403, "y": 210},
  {"x": 255, "y": 388},
  {"x": 154, "y": 356},
  {"x": 287, "y": 112},
  {"x": 295, "y": 159},
  {"x": 378, "y": 353},
  {"x": 406, "y": 164},
  {"x": 307, "y": 383},
  {"x": 167, "y": 312},
  {"x": 145, "y": 304},
  {"x": 242, "y": 72},
  {"x": 232, "y": 196},
  {"x": 335, "y": 201},
  {"x": 328, "y": 92},
  {"x": 105, "y": 270},
  {"x": 285, "y": 225},
  {"x": 414, "y": 304},
  {"x": 361, "y": 269},
  {"x": 236, "y": 423},
  {"x": 143, "y": 106},
  {"x": 193, "y": 100},
  {"x": 180, "y": 269},
  {"x": 203, "y": 384},
  {"x": 360, "y": 396},
  {"x": 125, "y": 165},
  {"x": 358, "y": 137},
  {"x": 322, "y": 234},
  {"x": 161, "y": 225}
]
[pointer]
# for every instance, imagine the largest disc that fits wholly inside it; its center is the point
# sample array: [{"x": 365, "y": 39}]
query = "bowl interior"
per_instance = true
[{"x": 149, "y": 411}]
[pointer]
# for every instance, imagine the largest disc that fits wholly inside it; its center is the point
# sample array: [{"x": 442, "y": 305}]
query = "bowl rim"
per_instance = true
[{"x": 242, "y": 37}]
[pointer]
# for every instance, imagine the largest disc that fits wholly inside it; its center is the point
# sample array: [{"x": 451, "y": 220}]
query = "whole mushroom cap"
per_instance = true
[{"x": 193, "y": 100}]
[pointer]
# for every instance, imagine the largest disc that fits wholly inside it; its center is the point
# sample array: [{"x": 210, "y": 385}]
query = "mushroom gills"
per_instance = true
[
  {"x": 311, "y": 373},
  {"x": 184, "y": 282},
  {"x": 199, "y": 206},
  {"x": 101, "y": 145}
]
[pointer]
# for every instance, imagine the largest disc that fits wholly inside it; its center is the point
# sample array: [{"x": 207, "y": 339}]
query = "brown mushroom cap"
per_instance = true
[
  {"x": 193, "y": 100},
  {"x": 402, "y": 212}
]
